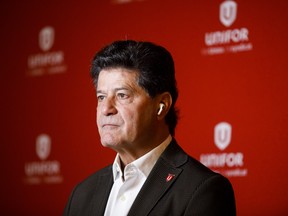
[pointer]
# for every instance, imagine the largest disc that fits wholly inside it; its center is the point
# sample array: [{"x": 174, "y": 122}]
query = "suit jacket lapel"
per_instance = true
[
  {"x": 100, "y": 197},
  {"x": 162, "y": 176}
]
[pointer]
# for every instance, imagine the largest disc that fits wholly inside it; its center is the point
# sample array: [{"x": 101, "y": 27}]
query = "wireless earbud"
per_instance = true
[{"x": 162, "y": 106}]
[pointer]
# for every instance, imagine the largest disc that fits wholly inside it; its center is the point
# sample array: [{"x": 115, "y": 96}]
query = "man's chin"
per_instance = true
[
  {"x": 112, "y": 145},
  {"x": 108, "y": 140}
]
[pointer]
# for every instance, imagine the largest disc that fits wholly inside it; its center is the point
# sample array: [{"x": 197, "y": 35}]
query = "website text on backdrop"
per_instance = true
[{"x": 136, "y": 117}]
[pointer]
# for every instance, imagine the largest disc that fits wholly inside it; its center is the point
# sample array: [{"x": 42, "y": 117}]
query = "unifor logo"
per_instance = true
[
  {"x": 46, "y": 38},
  {"x": 228, "y": 12},
  {"x": 222, "y": 135},
  {"x": 43, "y": 146}
]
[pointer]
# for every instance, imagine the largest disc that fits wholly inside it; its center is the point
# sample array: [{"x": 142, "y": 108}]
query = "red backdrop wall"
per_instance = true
[{"x": 231, "y": 66}]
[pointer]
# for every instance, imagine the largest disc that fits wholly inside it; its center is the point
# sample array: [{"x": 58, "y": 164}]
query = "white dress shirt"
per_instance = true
[{"x": 127, "y": 185}]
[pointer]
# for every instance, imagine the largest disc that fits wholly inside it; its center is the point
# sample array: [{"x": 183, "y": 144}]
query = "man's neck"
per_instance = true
[{"x": 127, "y": 157}]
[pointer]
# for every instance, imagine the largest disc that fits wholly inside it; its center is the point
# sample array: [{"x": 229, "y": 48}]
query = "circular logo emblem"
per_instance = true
[
  {"x": 46, "y": 38},
  {"x": 43, "y": 146}
]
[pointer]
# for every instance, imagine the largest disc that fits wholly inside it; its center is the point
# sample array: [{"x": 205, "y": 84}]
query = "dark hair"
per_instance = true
[{"x": 154, "y": 64}]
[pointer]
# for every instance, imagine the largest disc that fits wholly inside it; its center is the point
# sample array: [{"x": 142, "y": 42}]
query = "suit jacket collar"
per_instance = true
[
  {"x": 100, "y": 197},
  {"x": 165, "y": 172}
]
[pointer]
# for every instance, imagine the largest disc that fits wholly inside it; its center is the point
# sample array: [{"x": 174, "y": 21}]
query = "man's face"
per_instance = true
[{"x": 126, "y": 114}]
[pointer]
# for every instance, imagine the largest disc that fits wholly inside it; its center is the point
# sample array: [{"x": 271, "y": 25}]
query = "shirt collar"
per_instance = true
[{"x": 145, "y": 163}]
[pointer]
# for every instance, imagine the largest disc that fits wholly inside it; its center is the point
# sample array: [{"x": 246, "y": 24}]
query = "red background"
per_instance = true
[{"x": 247, "y": 89}]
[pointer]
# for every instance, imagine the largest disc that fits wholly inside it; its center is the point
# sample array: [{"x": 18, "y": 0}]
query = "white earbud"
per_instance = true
[{"x": 162, "y": 106}]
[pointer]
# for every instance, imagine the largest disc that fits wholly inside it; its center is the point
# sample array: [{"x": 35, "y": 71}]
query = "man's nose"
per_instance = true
[{"x": 108, "y": 107}]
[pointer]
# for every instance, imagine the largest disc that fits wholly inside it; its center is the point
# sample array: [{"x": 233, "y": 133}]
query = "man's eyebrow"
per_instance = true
[
  {"x": 115, "y": 90},
  {"x": 122, "y": 88}
]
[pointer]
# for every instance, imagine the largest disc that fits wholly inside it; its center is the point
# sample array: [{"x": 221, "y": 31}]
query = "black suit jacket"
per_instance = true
[{"x": 194, "y": 190}]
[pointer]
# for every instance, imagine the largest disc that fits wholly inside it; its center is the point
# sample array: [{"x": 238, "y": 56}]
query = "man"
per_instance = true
[{"x": 136, "y": 117}]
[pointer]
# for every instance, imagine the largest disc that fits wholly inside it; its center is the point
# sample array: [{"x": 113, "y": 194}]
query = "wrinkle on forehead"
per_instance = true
[{"x": 118, "y": 79}]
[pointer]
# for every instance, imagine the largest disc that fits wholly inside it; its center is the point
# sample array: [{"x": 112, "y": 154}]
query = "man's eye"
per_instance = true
[
  {"x": 122, "y": 96},
  {"x": 100, "y": 97}
]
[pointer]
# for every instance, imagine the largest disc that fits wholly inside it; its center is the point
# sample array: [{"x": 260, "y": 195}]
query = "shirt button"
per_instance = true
[{"x": 122, "y": 198}]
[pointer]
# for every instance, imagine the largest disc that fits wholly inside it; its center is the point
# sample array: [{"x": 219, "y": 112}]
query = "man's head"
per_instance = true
[{"x": 153, "y": 63}]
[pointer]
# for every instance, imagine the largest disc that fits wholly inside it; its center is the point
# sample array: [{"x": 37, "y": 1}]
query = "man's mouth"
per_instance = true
[{"x": 109, "y": 126}]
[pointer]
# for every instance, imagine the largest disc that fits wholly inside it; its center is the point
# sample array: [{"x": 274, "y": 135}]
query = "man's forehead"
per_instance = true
[
  {"x": 117, "y": 76},
  {"x": 117, "y": 79}
]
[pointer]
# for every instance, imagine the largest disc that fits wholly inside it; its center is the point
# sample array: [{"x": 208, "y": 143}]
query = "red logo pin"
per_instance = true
[{"x": 170, "y": 177}]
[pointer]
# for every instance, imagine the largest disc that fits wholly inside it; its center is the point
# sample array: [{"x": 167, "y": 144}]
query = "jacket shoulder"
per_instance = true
[
  {"x": 92, "y": 180},
  {"x": 91, "y": 194}
]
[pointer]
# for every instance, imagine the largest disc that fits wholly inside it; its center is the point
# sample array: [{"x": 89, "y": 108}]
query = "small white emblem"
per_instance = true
[
  {"x": 43, "y": 146},
  {"x": 46, "y": 38},
  {"x": 228, "y": 12},
  {"x": 222, "y": 135}
]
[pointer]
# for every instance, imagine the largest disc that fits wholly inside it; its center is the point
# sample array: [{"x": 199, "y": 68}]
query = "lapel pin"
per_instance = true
[{"x": 170, "y": 177}]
